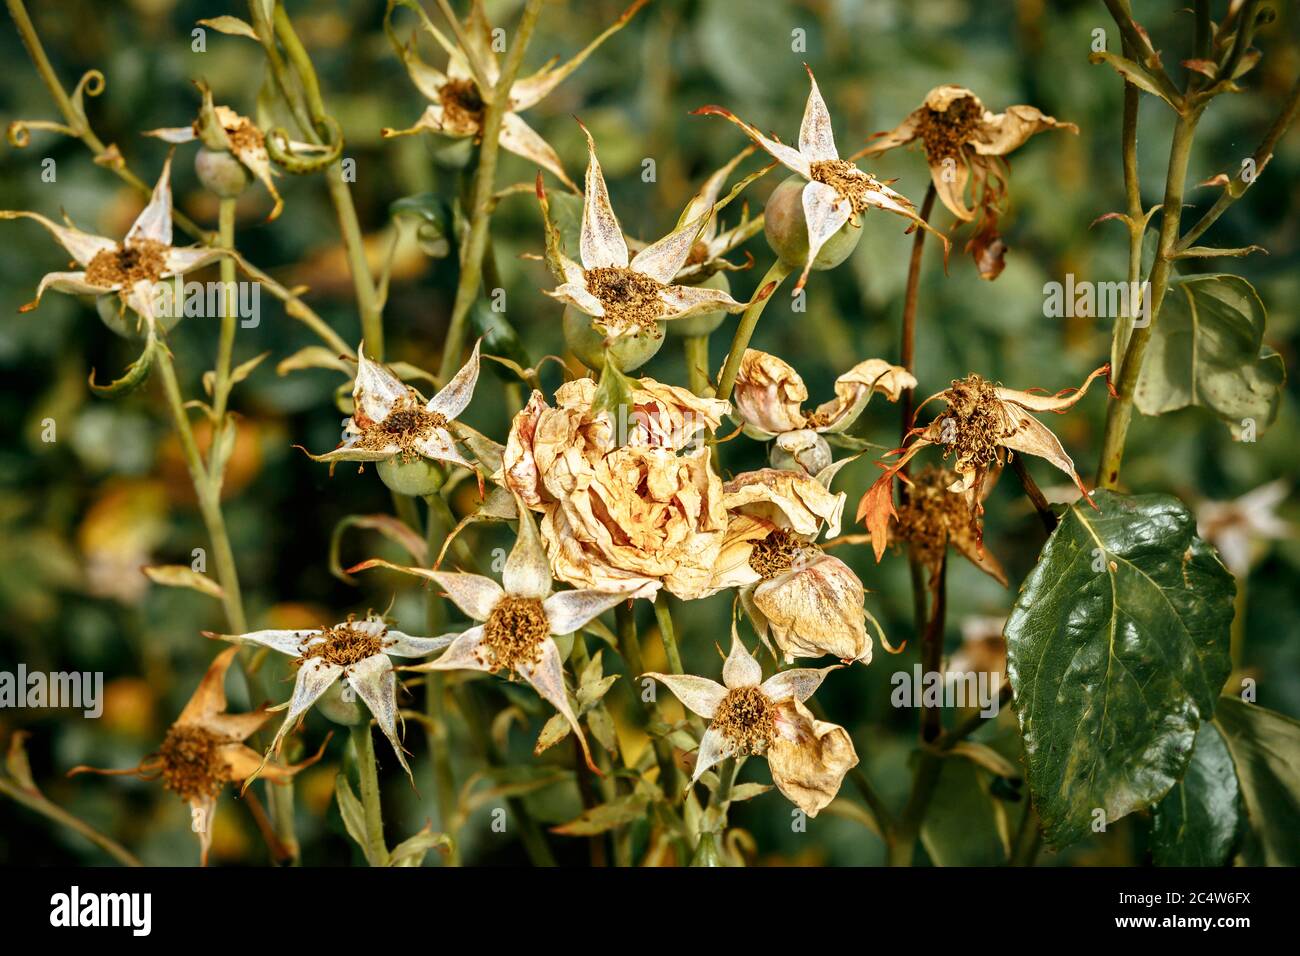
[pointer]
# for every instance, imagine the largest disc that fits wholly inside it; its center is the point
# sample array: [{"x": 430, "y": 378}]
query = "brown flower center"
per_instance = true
[
  {"x": 344, "y": 645},
  {"x": 462, "y": 104},
  {"x": 515, "y": 632},
  {"x": 630, "y": 298},
  {"x": 406, "y": 426},
  {"x": 244, "y": 137},
  {"x": 973, "y": 425},
  {"x": 946, "y": 132},
  {"x": 930, "y": 514},
  {"x": 192, "y": 766},
  {"x": 747, "y": 719},
  {"x": 128, "y": 264},
  {"x": 779, "y": 552},
  {"x": 846, "y": 179}
]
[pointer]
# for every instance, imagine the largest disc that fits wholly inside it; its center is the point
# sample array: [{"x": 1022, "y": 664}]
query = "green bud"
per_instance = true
[
  {"x": 629, "y": 351},
  {"x": 221, "y": 173},
  {"x": 415, "y": 478},
  {"x": 787, "y": 230}
]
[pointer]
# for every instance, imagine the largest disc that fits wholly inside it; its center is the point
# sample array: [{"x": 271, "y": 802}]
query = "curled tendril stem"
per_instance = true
[{"x": 279, "y": 149}]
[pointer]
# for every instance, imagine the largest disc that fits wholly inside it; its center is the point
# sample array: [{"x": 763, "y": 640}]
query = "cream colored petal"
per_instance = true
[
  {"x": 173, "y": 134},
  {"x": 237, "y": 726},
  {"x": 809, "y": 759},
  {"x": 314, "y": 678},
  {"x": 797, "y": 683},
  {"x": 349, "y": 452},
  {"x": 376, "y": 684},
  {"x": 567, "y": 611},
  {"x": 769, "y": 394},
  {"x": 255, "y": 158},
  {"x": 527, "y": 573},
  {"x": 522, "y": 140},
  {"x": 788, "y": 156},
  {"x": 703, "y": 201},
  {"x": 731, "y": 568},
  {"x": 1037, "y": 402},
  {"x": 853, "y": 390},
  {"x": 472, "y": 593},
  {"x": 453, "y": 397},
  {"x": 155, "y": 220},
  {"x": 72, "y": 283},
  {"x": 82, "y": 246},
  {"x": 663, "y": 259},
  {"x": 601, "y": 242},
  {"x": 825, "y": 212},
  {"x": 547, "y": 678},
  {"x": 698, "y": 694},
  {"x": 966, "y": 544},
  {"x": 441, "y": 446},
  {"x": 816, "y": 609},
  {"x": 397, "y": 644},
  {"x": 1000, "y": 133},
  {"x": 681, "y": 301},
  {"x": 740, "y": 669},
  {"x": 183, "y": 259},
  {"x": 286, "y": 642},
  {"x": 209, "y": 698},
  {"x": 576, "y": 295},
  {"x": 1032, "y": 437},
  {"x": 465, "y": 653},
  {"x": 816, "y": 141},
  {"x": 375, "y": 390},
  {"x": 787, "y": 499},
  {"x": 714, "y": 748}
]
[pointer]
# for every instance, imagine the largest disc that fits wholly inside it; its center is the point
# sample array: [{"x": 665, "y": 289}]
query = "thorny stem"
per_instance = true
[
  {"x": 229, "y": 320},
  {"x": 745, "y": 329},
  {"x": 368, "y": 783},
  {"x": 38, "y": 803},
  {"x": 471, "y": 264}
]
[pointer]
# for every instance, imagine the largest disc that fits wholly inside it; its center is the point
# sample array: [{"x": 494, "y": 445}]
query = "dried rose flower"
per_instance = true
[
  {"x": 767, "y": 718},
  {"x": 624, "y": 503},
  {"x": 131, "y": 268},
  {"x": 223, "y": 131},
  {"x": 457, "y": 101},
  {"x": 982, "y": 423},
  {"x": 932, "y": 519},
  {"x": 837, "y": 192},
  {"x": 519, "y": 622},
  {"x": 627, "y": 296},
  {"x": 204, "y": 750},
  {"x": 769, "y": 397},
  {"x": 964, "y": 146},
  {"x": 392, "y": 423},
  {"x": 356, "y": 652},
  {"x": 809, "y": 603}
]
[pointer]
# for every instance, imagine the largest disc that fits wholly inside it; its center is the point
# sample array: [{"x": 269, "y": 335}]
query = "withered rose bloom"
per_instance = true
[
  {"x": 204, "y": 751},
  {"x": 625, "y": 503},
  {"x": 982, "y": 424},
  {"x": 964, "y": 147},
  {"x": 749, "y": 716},
  {"x": 809, "y": 603},
  {"x": 932, "y": 519},
  {"x": 769, "y": 396}
]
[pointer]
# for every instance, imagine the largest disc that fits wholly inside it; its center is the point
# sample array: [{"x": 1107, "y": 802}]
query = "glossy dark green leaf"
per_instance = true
[
  {"x": 1117, "y": 649},
  {"x": 1207, "y": 350},
  {"x": 1265, "y": 746},
  {"x": 1196, "y": 823}
]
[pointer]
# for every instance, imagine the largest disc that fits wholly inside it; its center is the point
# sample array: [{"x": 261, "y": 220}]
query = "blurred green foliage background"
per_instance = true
[{"x": 78, "y": 516}]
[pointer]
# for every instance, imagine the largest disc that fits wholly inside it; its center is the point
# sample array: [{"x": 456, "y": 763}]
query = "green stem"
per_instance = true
[
  {"x": 629, "y": 645},
  {"x": 907, "y": 340},
  {"x": 668, "y": 634},
  {"x": 696, "y": 350},
  {"x": 368, "y": 781},
  {"x": 767, "y": 287},
  {"x": 1029, "y": 839},
  {"x": 471, "y": 264},
  {"x": 435, "y": 688},
  {"x": 1120, "y": 412},
  {"x": 229, "y": 319}
]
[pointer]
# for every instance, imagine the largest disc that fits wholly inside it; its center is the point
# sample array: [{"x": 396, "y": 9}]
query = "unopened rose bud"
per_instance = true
[
  {"x": 221, "y": 173},
  {"x": 802, "y": 450},
  {"x": 787, "y": 230},
  {"x": 629, "y": 351},
  {"x": 415, "y": 478}
]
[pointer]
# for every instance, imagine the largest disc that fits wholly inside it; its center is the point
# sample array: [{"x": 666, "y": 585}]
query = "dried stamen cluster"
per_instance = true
[
  {"x": 191, "y": 765},
  {"x": 344, "y": 645},
  {"x": 630, "y": 298},
  {"x": 514, "y": 633},
  {"x": 929, "y": 515},
  {"x": 747, "y": 719},
  {"x": 846, "y": 179},
  {"x": 973, "y": 425},
  {"x": 462, "y": 103},
  {"x": 779, "y": 552},
  {"x": 404, "y": 426},
  {"x": 945, "y": 132},
  {"x": 141, "y": 259}
]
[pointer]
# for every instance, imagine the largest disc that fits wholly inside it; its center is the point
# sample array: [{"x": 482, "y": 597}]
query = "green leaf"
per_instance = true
[
  {"x": 1133, "y": 73},
  {"x": 1196, "y": 823},
  {"x": 1117, "y": 649},
  {"x": 1265, "y": 747},
  {"x": 1207, "y": 350},
  {"x": 964, "y": 826},
  {"x": 354, "y": 815},
  {"x": 607, "y": 816}
]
